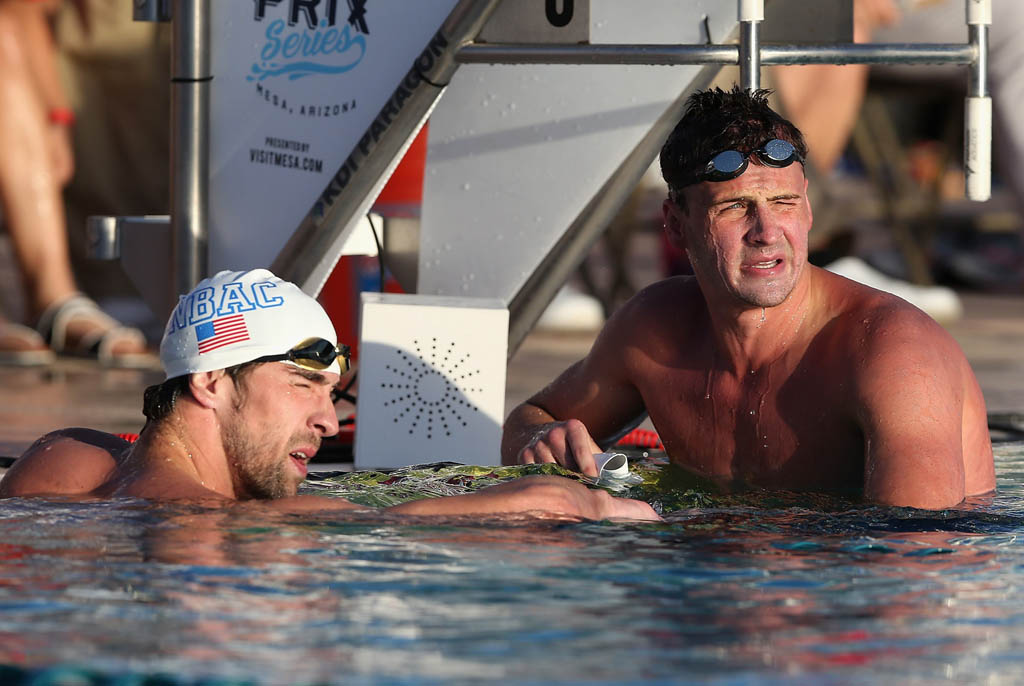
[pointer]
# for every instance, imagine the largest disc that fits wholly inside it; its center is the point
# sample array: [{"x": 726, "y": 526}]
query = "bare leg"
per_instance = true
[
  {"x": 824, "y": 100},
  {"x": 36, "y": 162},
  {"x": 29, "y": 187}
]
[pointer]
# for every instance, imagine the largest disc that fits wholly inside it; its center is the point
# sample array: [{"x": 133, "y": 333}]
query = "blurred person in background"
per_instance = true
[
  {"x": 824, "y": 101},
  {"x": 35, "y": 136}
]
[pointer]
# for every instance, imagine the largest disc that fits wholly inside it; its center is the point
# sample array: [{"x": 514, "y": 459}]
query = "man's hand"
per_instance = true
[{"x": 566, "y": 443}]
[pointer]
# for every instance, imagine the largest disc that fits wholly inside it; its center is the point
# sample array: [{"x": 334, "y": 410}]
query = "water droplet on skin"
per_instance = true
[{"x": 751, "y": 413}]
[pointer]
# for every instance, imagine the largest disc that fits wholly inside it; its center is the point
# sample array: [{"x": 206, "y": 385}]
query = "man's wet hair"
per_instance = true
[
  {"x": 717, "y": 120},
  {"x": 158, "y": 400}
]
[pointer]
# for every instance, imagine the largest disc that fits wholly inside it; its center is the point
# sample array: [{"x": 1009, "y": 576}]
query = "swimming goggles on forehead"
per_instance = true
[
  {"x": 729, "y": 164},
  {"x": 315, "y": 354}
]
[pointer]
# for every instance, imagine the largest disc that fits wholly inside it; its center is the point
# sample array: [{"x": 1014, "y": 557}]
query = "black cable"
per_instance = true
[{"x": 380, "y": 250}]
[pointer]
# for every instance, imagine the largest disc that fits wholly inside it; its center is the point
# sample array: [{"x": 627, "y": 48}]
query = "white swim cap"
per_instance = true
[{"x": 236, "y": 317}]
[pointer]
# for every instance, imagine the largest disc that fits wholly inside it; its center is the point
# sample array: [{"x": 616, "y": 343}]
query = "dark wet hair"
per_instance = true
[
  {"x": 717, "y": 120},
  {"x": 158, "y": 400}
]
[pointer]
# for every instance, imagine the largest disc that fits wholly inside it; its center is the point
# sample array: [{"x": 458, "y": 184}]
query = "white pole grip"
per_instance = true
[
  {"x": 978, "y": 148},
  {"x": 751, "y": 10},
  {"x": 979, "y": 11}
]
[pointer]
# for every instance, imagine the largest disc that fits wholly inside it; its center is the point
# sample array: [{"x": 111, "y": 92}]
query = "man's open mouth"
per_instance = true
[{"x": 300, "y": 458}]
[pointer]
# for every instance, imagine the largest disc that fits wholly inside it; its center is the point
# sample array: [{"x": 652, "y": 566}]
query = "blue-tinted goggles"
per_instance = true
[
  {"x": 315, "y": 354},
  {"x": 729, "y": 164}
]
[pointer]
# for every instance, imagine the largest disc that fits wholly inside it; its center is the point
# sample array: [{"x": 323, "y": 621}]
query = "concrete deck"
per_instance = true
[{"x": 79, "y": 393}]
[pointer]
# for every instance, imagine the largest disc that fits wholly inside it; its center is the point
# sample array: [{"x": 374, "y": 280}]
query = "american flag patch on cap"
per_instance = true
[{"x": 220, "y": 332}]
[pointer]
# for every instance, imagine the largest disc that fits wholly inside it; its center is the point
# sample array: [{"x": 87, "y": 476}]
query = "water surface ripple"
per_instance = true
[{"x": 760, "y": 589}]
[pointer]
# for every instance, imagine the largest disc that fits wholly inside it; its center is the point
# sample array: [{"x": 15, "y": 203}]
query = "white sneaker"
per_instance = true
[{"x": 940, "y": 303}]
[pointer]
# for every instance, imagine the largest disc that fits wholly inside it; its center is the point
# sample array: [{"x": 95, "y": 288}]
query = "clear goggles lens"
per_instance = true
[{"x": 729, "y": 164}]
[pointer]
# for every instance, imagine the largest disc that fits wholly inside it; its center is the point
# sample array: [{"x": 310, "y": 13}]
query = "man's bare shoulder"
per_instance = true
[
  {"x": 656, "y": 323},
  {"x": 662, "y": 304},
  {"x": 882, "y": 331},
  {"x": 65, "y": 462}
]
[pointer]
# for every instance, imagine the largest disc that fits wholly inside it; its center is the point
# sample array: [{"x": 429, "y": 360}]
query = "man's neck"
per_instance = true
[
  {"x": 188, "y": 443},
  {"x": 750, "y": 338}
]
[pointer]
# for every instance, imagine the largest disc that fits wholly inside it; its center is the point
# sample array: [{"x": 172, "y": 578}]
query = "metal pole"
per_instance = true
[
  {"x": 311, "y": 253},
  {"x": 751, "y": 14},
  {"x": 750, "y": 55},
  {"x": 541, "y": 53},
  {"x": 823, "y": 53},
  {"x": 190, "y": 129},
  {"x": 977, "y": 79},
  {"x": 978, "y": 106}
]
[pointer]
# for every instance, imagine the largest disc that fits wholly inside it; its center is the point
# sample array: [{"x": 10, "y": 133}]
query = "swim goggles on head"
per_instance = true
[
  {"x": 729, "y": 164},
  {"x": 314, "y": 353}
]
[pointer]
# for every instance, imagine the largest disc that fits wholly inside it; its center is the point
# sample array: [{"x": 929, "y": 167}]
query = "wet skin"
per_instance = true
[{"x": 764, "y": 370}]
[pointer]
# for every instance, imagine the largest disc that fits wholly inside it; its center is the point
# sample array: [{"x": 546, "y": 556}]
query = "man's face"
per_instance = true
[
  {"x": 747, "y": 237},
  {"x": 275, "y": 426}
]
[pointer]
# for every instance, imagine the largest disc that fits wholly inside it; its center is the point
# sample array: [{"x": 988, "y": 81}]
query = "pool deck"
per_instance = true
[{"x": 80, "y": 393}]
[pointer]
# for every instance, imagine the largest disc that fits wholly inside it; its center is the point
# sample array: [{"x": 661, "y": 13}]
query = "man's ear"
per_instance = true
[
  {"x": 210, "y": 389},
  {"x": 673, "y": 218}
]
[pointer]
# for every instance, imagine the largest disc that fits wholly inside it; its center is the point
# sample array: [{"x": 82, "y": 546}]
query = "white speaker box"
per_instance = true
[{"x": 431, "y": 380}]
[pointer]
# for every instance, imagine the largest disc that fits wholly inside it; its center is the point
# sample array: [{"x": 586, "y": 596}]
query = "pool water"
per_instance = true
[{"x": 758, "y": 589}]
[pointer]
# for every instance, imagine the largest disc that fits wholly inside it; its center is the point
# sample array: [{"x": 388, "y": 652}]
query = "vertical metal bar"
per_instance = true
[
  {"x": 977, "y": 80},
  {"x": 190, "y": 128},
  {"x": 750, "y": 55},
  {"x": 978, "y": 106},
  {"x": 751, "y": 14}
]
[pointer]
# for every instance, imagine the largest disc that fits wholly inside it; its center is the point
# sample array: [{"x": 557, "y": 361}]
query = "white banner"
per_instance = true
[{"x": 296, "y": 84}]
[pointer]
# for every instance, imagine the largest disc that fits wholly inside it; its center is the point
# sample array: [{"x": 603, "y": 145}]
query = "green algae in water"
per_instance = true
[{"x": 666, "y": 487}]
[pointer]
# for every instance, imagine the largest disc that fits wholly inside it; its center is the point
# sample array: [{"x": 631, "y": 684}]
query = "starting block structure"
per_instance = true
[{"x": 289, "y": 116}]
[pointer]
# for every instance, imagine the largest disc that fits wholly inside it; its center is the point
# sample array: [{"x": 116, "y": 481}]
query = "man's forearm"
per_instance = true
[
  {"x": 521, "y": 426},
  {"x": 547, "y": 494}
]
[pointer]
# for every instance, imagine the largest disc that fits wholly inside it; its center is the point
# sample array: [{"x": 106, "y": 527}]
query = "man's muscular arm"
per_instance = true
[
  {"x": 911, "y": 392},
  {"x": 594, "y": 397},
  {"x": 536, "y": 494}
]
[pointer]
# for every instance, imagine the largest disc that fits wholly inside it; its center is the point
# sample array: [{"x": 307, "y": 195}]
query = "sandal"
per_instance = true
[
  {"x": 22, "y": 346},
  {"x": 100, "y": 344}
]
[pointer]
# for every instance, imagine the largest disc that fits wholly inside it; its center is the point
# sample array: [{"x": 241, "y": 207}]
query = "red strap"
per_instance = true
[
  {"x": 642, "y": 438},
  {"x": 61, "y": 115},
  {"x": 131, "y": 438}
]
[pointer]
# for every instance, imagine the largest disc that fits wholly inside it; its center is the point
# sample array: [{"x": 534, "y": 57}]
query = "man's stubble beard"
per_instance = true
[{"x": 255, "y": 470}]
